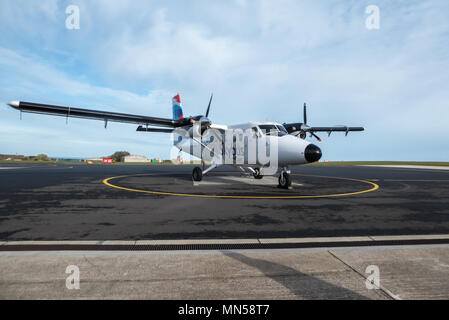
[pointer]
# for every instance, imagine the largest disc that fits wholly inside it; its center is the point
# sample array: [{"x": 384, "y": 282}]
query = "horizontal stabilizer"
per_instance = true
[{"x": 145, "y": 129}]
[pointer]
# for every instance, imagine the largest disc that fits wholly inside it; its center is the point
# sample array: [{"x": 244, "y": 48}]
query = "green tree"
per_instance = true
[
  {"x": 42, "y": 157},
  {"x": 117, "y": 156}
]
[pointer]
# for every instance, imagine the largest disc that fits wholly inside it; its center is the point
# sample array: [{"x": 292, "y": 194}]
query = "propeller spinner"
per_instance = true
[
  {"x": 202, "y": 121},
  {"x": 301, "y": 128}
]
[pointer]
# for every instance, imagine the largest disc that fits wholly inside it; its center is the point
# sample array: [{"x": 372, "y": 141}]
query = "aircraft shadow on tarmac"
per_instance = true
[{"x": 300, "y": 284}]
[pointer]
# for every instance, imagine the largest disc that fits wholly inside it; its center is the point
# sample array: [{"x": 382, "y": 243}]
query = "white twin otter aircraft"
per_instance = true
[{"x": 261, "y": 147}]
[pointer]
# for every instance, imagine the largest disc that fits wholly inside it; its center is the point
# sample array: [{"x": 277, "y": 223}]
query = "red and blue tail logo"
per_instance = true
[{"x": 177, "y": 108}]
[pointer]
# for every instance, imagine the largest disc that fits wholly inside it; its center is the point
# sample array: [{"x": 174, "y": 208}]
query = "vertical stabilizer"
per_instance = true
[{"x": 177, "y": 108}]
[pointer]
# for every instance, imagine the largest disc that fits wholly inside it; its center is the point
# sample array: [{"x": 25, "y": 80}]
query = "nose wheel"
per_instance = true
[
  {"x": 257, "y": 175},
  {"x": 285, "y": 180}
]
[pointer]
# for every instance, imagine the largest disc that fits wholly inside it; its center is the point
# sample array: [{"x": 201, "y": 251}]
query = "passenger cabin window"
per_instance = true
[{"x": 254, "y": 131}]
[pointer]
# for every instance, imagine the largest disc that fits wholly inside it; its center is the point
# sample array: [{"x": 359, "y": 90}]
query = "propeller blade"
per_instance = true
[
  {"x": 208, "y": 107},
  {"x": 305, "y": 113}
]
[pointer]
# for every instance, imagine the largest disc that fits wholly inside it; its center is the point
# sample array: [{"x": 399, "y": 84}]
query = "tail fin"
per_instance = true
[{"x": 177, "y": 108}]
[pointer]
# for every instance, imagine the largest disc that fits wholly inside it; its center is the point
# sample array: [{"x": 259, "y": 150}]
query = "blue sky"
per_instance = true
[{"x": 262, "y": 60}]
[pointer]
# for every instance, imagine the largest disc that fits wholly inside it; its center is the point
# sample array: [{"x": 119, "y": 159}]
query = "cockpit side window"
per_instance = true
[
  {"x": 269, "y": 129},
  {"x": 281, "y": 128}
]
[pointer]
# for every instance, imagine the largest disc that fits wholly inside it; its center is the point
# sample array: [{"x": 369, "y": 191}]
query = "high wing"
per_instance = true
[
  {"x": 106, "y": 116},
  {"x": 297, "y": 127},
  {"x": 301, "y": 129},
  {"x": 329, "y": 130},
  {"x": 334, "y": 129}
]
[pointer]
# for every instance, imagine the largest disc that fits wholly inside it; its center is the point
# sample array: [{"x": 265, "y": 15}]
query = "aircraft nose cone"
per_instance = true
[{"x": 312, "y": 153}]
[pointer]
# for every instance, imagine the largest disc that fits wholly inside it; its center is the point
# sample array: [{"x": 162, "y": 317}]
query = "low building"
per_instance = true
[
  {"x": 135, "y": 158},
  {"x": 178, "y": 160},
  {"x": 12, "y": 157},
  {"x": 93, "y": 160}
]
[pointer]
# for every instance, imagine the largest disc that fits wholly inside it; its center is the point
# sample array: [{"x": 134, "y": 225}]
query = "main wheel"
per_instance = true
[
  {"x": 285, "y": 181},
  {"x": 197, "y": 174},
  {"x": 257, "y": 174}
]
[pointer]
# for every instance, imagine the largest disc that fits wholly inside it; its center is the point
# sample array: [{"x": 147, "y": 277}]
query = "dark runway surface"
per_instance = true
[{"x": 71, "y": 202}]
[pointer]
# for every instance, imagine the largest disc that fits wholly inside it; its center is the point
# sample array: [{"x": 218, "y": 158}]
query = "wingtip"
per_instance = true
[{"x": 14, "y": 104}]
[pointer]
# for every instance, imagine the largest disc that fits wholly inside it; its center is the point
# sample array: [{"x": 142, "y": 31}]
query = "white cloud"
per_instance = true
[
  {"x": 261, "y": 59},
  {"x": 38, "y": 77},
  {"x": 174, "y": 49}
]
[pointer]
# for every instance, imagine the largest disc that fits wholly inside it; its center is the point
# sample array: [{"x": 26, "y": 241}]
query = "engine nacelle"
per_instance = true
[{"x": 195, "y": 130}]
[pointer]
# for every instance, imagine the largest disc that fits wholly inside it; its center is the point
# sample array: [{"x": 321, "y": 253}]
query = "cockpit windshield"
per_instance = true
[
  {"x": 270, "y": 129},
  {"x": 281, "y": 128}
]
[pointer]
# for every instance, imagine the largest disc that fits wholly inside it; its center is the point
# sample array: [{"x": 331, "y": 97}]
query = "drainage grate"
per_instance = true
[{"x": 217, "y": 246}]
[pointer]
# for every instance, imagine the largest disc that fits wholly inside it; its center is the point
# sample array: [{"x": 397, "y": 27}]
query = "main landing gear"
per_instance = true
[
  {"x": 197, "y": 174},
  {"x": 285, "y": 180},
  {"x": 256, "y": 174}
]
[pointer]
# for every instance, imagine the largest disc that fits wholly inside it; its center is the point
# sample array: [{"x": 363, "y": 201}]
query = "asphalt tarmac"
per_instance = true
[{"x": 73, "y": 202}]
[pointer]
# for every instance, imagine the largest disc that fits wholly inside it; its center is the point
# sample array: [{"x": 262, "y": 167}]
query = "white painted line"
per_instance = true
[
  {"x": 197, "y": 241},
  {"x": 252, "y": 181},
  {"x": 266, "y": 180},
  {"x": 11, "y": 243},
  {"x": 119, "y": 242},
  {"x": 208, "y": 183},
  {"x": 411, "y": 237},
  {"x": 10, "y": 168},
  {"x": 409, "y": 167},
  {"x": 316, "y": 240}
]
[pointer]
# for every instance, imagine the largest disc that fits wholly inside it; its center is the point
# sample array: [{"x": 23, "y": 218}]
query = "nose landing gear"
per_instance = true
[{"x": 285, "y": 180}]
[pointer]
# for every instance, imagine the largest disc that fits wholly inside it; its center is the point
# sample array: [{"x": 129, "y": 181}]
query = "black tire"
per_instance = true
[
  {"x": 285, "y": 181},
  {"x": 257, "y": 174},
  {"x": 303, "y": 135},
  {"x": 197, "y": 174}
]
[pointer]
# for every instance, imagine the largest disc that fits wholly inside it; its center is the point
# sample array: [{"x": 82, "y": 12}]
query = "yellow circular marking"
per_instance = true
[{"x": 374, "y": 187}]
